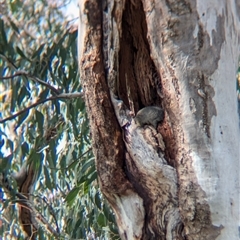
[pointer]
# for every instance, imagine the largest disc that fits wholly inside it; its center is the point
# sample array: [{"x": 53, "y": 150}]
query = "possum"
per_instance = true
[{"x": 151, "y": 115}]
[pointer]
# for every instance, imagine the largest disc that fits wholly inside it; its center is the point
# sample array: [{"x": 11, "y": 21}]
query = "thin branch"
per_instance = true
[
  {"x": 24, "y": 202},
  {"x": 35, "y": 79},
  {"x": 9, "y": 61},
  {"x": 71, "y": 95},
  {"x": 28, "y": 108},
  {"x": 77, "y": 160},
  {"x": 63, "y": 96},
  {"x": 26, "y": 74},
  {"x": 9, "y": 77},
  {"x": 52, "y": 212},
  {"x": 56, "y": 91},
  {"x": 50, "y": 208},
  {"x": 28, "y": 205}
]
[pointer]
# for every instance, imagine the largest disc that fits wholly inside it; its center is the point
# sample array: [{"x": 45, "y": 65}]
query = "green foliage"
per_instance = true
[{"x": 38, "y": 46}]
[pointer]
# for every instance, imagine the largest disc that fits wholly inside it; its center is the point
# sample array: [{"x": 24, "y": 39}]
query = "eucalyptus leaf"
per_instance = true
[
  {"x": 3, "y": 35},
  {"x": 72, "y": 195},
  {"x": 22, "y": 117},
  {"x": 98, "y": 200},
  {"x": 47, "y": 178},
  {"x": 40, "y": 121},
  {"x": 21, "y": 53},
  {"x": 101, "y": 220},
  {"x": 25, "y": 148}
]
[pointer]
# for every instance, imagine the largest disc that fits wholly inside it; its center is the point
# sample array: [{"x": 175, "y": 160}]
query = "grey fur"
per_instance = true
[{"x": 151, "y": 115}]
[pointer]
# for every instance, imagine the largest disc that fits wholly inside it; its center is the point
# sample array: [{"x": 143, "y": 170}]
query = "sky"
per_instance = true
[{"x": 72, "y": 9}]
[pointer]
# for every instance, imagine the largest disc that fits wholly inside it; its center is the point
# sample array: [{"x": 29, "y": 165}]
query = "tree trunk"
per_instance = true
[{"x": 181, "y": 180}]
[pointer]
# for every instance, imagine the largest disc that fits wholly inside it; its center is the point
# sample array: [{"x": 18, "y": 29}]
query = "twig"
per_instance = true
[
  {"x": 63, "y": 95},
  {"x": 9, "y": 77},
  {"x": 9, "y": 61},
  {"x": 51, "y": 211},
  {"x": 28, "y": 205},
  {"x": 70, "y": 95},
  {"x": 66, "y": 168},
  {"x": 36, "y": 79},
  {"x": 28, "y": 108}
]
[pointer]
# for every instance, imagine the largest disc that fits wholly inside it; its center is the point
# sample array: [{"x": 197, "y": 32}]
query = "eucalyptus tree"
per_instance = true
[{"x": 181, "y": 180}]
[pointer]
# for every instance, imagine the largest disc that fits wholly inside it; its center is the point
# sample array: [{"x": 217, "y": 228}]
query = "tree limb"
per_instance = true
[
  {"x": 35, "y": 79},
  {"x": 25, "y": 203},
  {"x": 51, "y": 211},
  {"x": 77, "y": 160},
  {"x": 59, "y": 96},
  {"x": 28, "y": 205},
  {"x": 8, "y": 60}
]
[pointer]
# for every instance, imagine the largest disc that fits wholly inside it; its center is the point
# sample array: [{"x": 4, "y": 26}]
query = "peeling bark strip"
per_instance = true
[
  {"x": 25, "y": 180},
  {"x": 134, "y": 54},
  {"x": 26, "y": 214}
]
